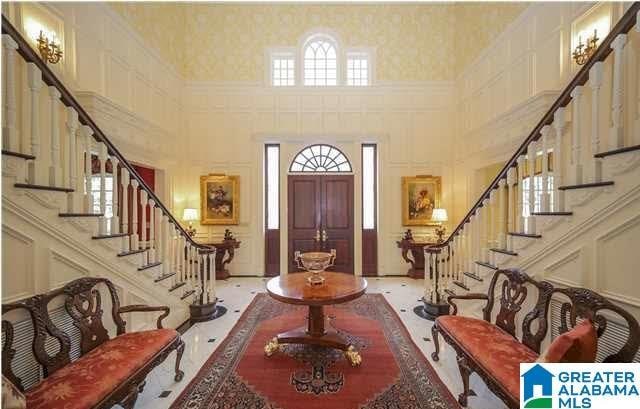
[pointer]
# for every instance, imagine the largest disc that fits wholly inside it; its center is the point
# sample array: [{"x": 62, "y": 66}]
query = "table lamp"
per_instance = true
[
  {"x": 440, "y": 216},
  {"x": 189, "y": 215}
]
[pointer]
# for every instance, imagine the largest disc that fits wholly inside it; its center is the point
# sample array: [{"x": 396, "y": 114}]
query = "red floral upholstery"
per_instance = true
[
  {"x": 495, "y": 350},
  {"x": 83, "y": 383}
]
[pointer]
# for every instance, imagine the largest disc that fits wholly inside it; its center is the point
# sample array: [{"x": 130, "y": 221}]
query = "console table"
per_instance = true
[
  {"x": 225, "y": 251},
  {"x": 416, "y": 248}
]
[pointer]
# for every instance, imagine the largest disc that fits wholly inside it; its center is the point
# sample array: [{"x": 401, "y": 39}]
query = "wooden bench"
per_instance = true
[
  {"x": 492, "y": 349},
  {"x": 104, "y": 371}
]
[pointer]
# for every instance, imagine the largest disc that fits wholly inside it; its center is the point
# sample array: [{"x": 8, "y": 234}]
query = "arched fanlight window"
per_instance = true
[
  {"x": 320, "y": 61},
  {"x": 320, "y": 158}
]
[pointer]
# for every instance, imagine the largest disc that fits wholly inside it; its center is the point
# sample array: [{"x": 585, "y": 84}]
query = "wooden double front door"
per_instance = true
[{"x": 321, "y": 217}]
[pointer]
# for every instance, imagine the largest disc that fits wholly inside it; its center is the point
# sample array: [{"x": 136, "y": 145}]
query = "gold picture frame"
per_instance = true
[
  {"x": 219, "y": 199},
  {"x": 420, "y": 195}
]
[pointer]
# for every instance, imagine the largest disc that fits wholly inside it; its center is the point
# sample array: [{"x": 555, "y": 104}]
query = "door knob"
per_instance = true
[
  {"x": 317, "y": 238},
  {"x": 324, "y": 235}
]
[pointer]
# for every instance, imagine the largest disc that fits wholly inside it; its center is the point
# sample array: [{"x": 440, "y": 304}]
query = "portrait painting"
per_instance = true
[
  {"x": 420, "y": 195},
  {"x": 219, "y": 199}
]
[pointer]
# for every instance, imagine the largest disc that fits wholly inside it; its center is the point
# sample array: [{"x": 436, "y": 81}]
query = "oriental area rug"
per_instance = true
[{"x": 393, "y": 375}]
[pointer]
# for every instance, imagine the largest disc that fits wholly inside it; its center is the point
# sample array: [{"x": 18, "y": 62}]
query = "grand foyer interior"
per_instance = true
[{"x": 477, "y": 94}]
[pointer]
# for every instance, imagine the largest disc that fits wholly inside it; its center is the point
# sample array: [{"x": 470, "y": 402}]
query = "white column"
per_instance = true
[
  {"x": 144, "y": 238},
  {"x": 558, "y": 124},
  {"x": 72, "y": 127},
  {"x": 115, "y": 220},
  {"x": 124, "y": 179},
  {"x": 152, "y": 232},
  {"x": 102, "y": 151},
  {"x": 531, "y": 221},
  {"x": 519, "y": 218},
  {"x": 87, "y": 203},
  {"x": 34, "y": 77},
  {"x": 502, "y": 214},
  {"x": 544, "y": 141},
  {"x": 55, "y": 171},
  {"x": 511, "y": 185},
  {"x": 576, "y": 139},
  {"x": 616, "y": 139},
  {"x": 135, "y": 237},
  {"x": 595, "y": 81},
  {"x": 10, "y": 138}
]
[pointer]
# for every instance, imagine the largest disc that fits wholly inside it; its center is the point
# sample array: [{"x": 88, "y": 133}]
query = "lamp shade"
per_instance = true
[
  {"x": 439, "y": 215},
  {"x": 189, "y": 215}
]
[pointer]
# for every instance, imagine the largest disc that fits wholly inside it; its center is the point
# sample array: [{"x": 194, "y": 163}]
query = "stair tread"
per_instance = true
[
  {"x": 18, "y": 154},
  {"x": 449, "y": 291},
  {"x": 163, "y": 277},
  {"x": 504, "y": 251},
  {"x": 586, "y": 185},
  {"x": 80, "y": 214},
  {"x": 473, "y": 276},
  {"x": 617, "y": 151},
  {"x": 176, "y": 286},
  {"x": 128, "y": 253},
  {"x": 43, "y": 187},
  {"x": 461, "y": 285},
  {"x": 552, "y": 213},
  {"x": 150, "y": 265},
  {"x": 486, "y": 264},
  {"x": 109, "y": 236},
  {"x": 186, "y": 294},
  {"x": 529, "y": 235}
]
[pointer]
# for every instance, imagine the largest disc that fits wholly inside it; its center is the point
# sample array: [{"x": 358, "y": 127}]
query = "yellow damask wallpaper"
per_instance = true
[{"x": 226, "y": 42}]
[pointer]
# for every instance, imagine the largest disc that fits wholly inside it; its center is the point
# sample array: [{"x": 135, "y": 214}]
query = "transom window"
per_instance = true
[
  {"x": 357, "y": 70},
  {"x": 320, "y": 158},
  {"x": 320, "y": 63}
]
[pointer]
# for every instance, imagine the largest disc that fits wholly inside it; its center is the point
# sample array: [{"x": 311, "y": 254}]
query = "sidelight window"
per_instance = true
[{"x": 320, "y": 158}]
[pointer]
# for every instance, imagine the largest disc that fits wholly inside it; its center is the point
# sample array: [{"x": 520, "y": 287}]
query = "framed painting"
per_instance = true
[
  {"x": 420, "y": 195},
  {"x": 219, "y": 199}
]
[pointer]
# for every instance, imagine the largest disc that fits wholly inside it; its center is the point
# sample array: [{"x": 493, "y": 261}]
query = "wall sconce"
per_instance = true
[
  {"x": 440, "y": 216},
  {"x": 583, "y": 52},
  {"x": 189, "y": 215},
  {"x": 49, "y": 50}
]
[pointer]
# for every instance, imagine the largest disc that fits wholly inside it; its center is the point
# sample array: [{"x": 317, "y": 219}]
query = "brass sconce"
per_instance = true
[
  {"x": 49, "y": 50},
  {"x": 583, "y": 52}
]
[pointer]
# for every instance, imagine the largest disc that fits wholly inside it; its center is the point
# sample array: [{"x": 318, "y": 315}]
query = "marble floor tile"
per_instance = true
[{"x": 237, "y": 292}]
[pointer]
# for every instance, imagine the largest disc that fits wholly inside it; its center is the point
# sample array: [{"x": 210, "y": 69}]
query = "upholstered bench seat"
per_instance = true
[
  {"x": 499, "y": 353},
  {"x": 87, "y": 381}
]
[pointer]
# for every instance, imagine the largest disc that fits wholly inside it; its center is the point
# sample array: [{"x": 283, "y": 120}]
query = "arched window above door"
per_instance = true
[{"x": 320, "y": 158}]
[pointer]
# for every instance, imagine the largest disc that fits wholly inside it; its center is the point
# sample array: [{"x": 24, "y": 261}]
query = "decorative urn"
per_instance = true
[{"x": 315, "y": 262}]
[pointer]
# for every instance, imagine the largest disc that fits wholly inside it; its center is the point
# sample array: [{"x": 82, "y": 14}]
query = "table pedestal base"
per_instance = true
[{"x": 315, "y": 334}]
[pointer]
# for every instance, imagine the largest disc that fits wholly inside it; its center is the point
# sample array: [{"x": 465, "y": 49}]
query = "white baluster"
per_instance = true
[
  {"x": 87, "y": 203},
  {"x": 616, "y": 139},
  {"x": 102, "y": 150},
  {"x": 519, "y": 217},
  {"x": 544, "y": 140},
  {"x": 212, "y": 272},
  {"x": 493, "y": 221},
  {"x": 144, "y": 238},
  {"x": 152, "y": 232},
  {"x": 558, "y": 124},
  {"x": 55, "y": 171},
  {"x": 475, "y": 241},
  {"x": 157, "y": 238},
  {"x": 531, "y": 221},
  {"x": 595, "y": 81},
  {"x": 34, "y": 77},
  {"x": 124, "y": 179},
  {"x": 484, "y": 237},
  {"x": 502, "y": 203},
  {"x": 166, "y": 267},
  {"x": 427, "y": 275},
  {"x": 115, "y": 219},
  {"x": 72, "y": 127},
  {"x": 10, "y": 138},
  {"x": 511, "y": 185},
  {"x": 135, "y": 237},
  {"x": 576, "y": 140}
]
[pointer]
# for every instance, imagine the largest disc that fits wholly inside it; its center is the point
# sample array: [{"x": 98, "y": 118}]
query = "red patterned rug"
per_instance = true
[{"x": 393, "y": 375}]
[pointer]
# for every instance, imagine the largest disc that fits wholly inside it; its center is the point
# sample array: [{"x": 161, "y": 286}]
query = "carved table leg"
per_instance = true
[
  {"x": 179, "y": 351},
  {"x": 465, "y": 372},
  {"x": 130, "y": 400},
  {"x": 436, "y": 342}
]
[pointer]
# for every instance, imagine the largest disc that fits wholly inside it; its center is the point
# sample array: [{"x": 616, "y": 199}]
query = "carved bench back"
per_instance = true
[
  {"x": 82, "y": 301},
  {"x": 513, "y": 290},
  {"x": 582, "y": 303}
]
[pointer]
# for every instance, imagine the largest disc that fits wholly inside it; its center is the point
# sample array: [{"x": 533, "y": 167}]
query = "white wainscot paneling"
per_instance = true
[
  {"x": 17, "y": 265},
  {"x": 63, "y": 269},
  {"x": 616, "y": 266},
  {"x": 548, "y": 60},
  {"x": 568, "y": 270}
]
